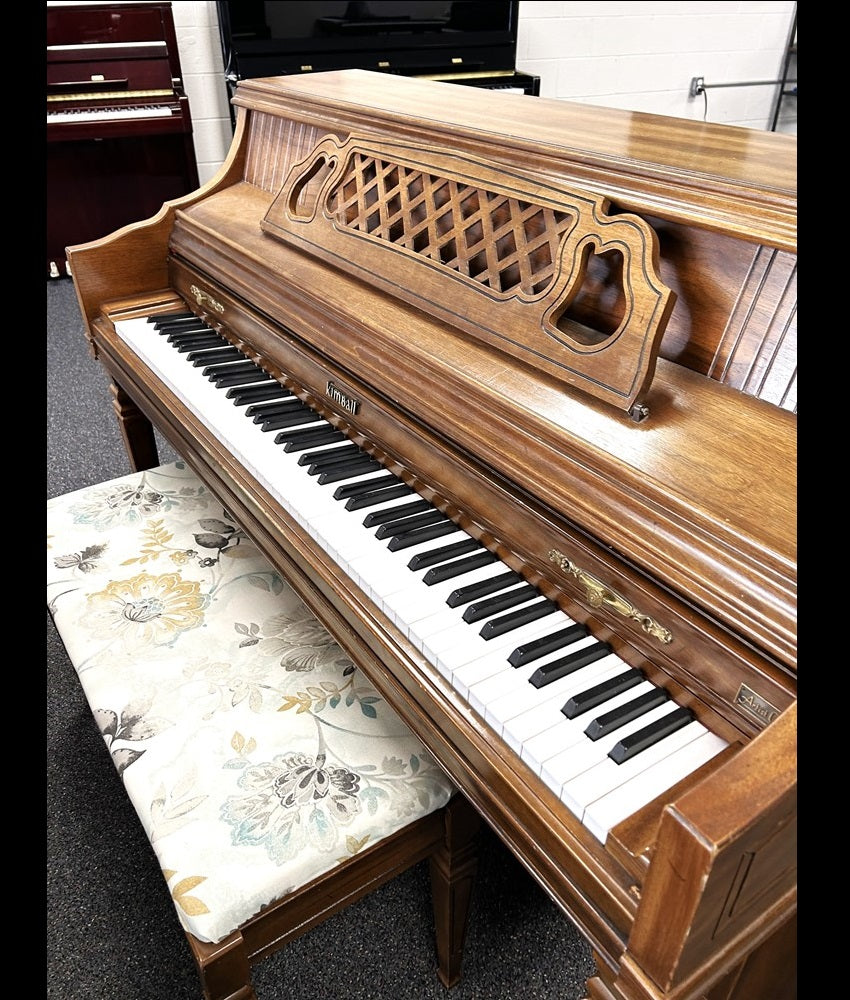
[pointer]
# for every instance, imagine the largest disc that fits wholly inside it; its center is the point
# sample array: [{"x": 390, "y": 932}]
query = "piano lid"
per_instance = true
[{"x": 736, "y": 180}]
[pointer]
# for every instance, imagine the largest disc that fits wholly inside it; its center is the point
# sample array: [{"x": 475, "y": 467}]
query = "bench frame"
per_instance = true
[{"x": 447, "y": 837}]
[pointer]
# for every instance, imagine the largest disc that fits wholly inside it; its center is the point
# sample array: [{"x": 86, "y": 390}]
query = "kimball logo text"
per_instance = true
[{"x": 336, "y": 395}]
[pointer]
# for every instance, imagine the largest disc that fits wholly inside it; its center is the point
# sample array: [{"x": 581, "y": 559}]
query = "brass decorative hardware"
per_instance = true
[
  {"x": 203, "y": 297},
  {"x": 601, "y": 596}
]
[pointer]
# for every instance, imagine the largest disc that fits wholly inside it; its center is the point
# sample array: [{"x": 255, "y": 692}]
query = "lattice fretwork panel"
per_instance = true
[
  {"x": 520, "y": 263},
  {"x": 504, "y": 243}
]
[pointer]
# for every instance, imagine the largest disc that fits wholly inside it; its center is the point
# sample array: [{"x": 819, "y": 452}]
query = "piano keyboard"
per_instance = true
[
  {"x": 603, "y": 738},
  {"x": 107, "y": 114}
]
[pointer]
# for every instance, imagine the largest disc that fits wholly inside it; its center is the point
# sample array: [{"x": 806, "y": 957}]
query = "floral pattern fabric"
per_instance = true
[{"x": 255, "y": 753}]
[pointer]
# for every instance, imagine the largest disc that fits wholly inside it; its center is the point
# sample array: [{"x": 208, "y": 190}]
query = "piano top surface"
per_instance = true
[{"x": 640, "y": 142}]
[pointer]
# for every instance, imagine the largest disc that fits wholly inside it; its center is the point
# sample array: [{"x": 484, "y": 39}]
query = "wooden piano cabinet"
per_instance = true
[
  {"x": 673, "y": 539},
  {"x": 95, "y": 186}
]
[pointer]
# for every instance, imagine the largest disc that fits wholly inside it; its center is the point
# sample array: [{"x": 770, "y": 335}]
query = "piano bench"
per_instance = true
[{"x": 275, "y": 784}]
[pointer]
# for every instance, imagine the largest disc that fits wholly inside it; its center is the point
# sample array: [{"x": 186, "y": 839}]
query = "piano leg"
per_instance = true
[
  {"x": 136, "y": 430},
  {"x": 452, "y": 875}
]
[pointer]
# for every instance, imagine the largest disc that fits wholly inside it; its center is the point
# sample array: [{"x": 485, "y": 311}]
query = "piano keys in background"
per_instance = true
[{"x": 119, "y": 130}]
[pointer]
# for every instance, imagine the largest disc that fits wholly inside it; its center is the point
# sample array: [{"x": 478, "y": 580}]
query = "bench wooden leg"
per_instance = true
[
  {"x": 224, "y": 969},
  {"x": 453, "y": 870}
]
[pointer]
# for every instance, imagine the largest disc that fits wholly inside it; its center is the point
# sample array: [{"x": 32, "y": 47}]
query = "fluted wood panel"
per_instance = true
[
  {"x": 274, "y": 145},
  {"x": 758, "y": 351}
]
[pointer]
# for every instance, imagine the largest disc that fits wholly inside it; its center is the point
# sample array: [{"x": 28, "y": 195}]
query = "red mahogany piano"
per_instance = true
[{"x": 119, "y": 131}]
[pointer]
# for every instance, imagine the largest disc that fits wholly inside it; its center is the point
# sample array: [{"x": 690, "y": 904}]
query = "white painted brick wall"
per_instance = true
[{"x": 639, "y": 56}]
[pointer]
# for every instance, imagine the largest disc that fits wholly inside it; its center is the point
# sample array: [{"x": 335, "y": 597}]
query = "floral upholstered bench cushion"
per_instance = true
[{"x": 255, "y": 753}]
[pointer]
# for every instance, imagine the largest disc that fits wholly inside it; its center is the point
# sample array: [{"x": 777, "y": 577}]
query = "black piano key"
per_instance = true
[
  {"x": 631, "y": 745},
  {"x": 215, "y": 372},
  {"x": 583, "y": 701},
  {"x": 156, "y": 319},
  {"x": 213, "y": 356},
  {"x": 531, "y": 651},
  {"x": 348, "y": 470},
  {"x": 425, "y": 534},
  {"x": 196, "y": 340},
  {"x": 403, "y": 525},
  {"x": 512, "y": 620},
  {"x": 270, "y": 389},
  {"x": 159, "y": 319},
  {"x": 449, "y": 570},
  {"x": 501, "y": 602},
  {"x": 330, "y": 456},
  {"x": 261, "y": 412},
  {"x": 294, "y": 418},
  {"x": 392, "y": 513},
  {"x": 555, "y": 669},
  {"x": 199, "y": 344},
  {"x": 443, "y": 553},
  {"x": 307, "y": 437},
  {"x": 374, "y": 497},
  {"x": 472, "y": 591},
  {"x": 365, "y": 486},
  {"x": 238, "y": 378},
  {"x": 188, "y": 331},
  {"x": 184, "y": 326},
  {"x": 267, "y": 407},
  {"x": 606, "y": 723}
]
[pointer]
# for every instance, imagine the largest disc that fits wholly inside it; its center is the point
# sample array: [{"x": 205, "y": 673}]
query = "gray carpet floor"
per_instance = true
[{"x": 111, "y": 929}]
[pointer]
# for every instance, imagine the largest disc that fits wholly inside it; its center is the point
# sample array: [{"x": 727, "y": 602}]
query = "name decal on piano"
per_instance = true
[
  {"x": 336, "y": 395},
  {"x": 755, "y": 704},
  {"x": 598, "y": 595},
  {"x": 203, "y": 298}
]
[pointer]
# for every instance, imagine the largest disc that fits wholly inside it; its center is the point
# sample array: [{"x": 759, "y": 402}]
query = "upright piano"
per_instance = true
[
  {"x": 119, "y": 130},
  {"x": 506, "y": 388}
]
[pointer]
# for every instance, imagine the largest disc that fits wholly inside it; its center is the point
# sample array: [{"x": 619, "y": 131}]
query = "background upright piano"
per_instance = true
[{"x": 119, "y": 131}]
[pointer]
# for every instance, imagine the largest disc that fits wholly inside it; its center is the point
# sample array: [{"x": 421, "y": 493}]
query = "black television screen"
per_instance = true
[{"x": 420, "y": 37}]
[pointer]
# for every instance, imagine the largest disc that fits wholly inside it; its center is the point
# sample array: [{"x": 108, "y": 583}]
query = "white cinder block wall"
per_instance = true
[{"x": 639, "y": 56}]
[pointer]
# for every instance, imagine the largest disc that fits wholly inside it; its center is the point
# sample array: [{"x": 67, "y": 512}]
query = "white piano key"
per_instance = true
[
  {"x": 607, "y": 811},
  {"x": 581, "y": 753},
  {"x": 605, "y": 776}
]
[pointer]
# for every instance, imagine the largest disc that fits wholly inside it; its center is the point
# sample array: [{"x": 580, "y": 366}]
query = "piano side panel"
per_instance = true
[
  {"x": 134, "y": 260},
  {"x": 723, "y": 874}
]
